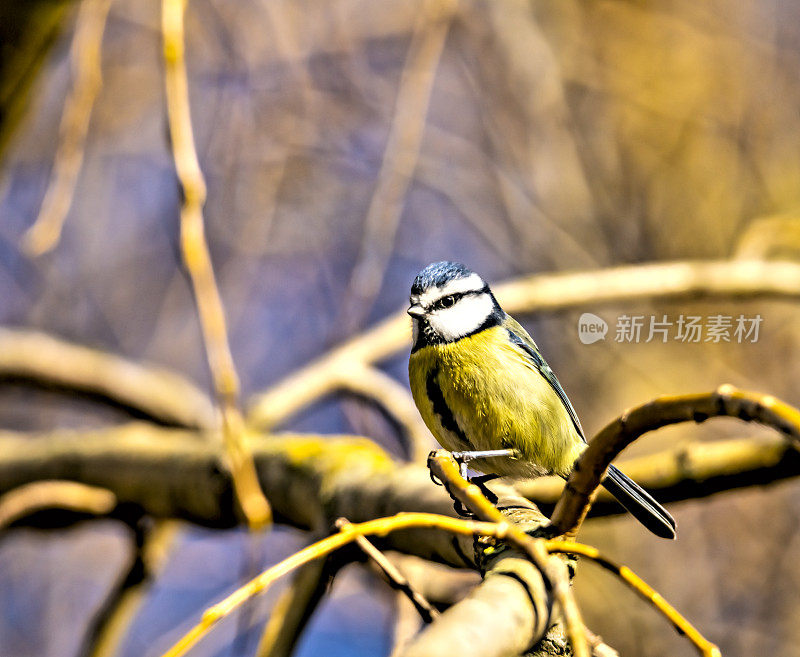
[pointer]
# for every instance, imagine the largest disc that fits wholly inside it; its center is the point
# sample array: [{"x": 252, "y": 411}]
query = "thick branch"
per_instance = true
[
  {"x": 170, "y": 473},
  {"x": 591, "y": 467},
  {"x": 502, "y": 616}
]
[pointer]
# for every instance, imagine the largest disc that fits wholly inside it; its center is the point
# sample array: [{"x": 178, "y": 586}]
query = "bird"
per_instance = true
[{"x": 480, "y": 384}]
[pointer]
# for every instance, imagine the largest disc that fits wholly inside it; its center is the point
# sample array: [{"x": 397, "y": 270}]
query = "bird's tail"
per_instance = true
[{"x": 639, "y": 503}]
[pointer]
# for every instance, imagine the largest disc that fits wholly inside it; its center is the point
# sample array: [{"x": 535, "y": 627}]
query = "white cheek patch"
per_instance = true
[
  {"x": 472, "y": 283},
  {"x": 465, "y": 317}
]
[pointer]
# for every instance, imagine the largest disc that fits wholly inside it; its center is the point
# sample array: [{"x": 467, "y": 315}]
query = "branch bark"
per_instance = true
[{"x": 549, "y": 570}]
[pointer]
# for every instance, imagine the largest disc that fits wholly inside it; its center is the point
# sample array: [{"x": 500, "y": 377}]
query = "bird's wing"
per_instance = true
[{"x": 519, "y": 336}]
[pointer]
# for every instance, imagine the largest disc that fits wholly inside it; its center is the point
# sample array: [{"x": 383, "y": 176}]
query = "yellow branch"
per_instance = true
[
  {"x": 194, "y": 250},
  {"x": 683, "y": 626},
  {"x": 54, "y": 494},
  {"x": 383, "y": 526},
  {"x": 379, "y": 527}
]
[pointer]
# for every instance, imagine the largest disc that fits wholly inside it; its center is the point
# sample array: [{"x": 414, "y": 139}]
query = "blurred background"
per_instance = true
[{"x": 534, "y": 137}]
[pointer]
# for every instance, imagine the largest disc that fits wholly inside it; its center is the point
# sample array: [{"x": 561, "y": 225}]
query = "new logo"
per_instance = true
[{"x": 591, "y": 328}]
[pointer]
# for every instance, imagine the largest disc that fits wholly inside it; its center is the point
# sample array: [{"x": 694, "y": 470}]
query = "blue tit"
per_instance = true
[{"x": 480, "y": 383}]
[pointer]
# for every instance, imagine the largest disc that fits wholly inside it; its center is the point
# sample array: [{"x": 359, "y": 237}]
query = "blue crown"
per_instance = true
[{"x": 437, "y": 274}]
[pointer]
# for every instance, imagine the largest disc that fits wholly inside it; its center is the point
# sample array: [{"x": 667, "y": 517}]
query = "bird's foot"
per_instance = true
[{"x": 480, "y": 482}]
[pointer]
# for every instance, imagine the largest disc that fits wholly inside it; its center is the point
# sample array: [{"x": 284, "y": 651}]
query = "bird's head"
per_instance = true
[{"x": 449, "y": 302}]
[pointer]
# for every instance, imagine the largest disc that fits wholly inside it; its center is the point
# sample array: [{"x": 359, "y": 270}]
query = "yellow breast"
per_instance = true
[{"x": 482, "y": 392}]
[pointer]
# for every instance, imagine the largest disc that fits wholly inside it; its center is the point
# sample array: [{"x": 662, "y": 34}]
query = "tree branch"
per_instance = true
[
  {"x": 591, "y": 467},
  {"x": 111, "y": 625},
  {"x": 36, "y": 496},
  {"x": 321, "y": 549},
  {"x": 392, "y": 575},
  {"x": 554, "y": 572},
  {"x": 172, "y": 473},
  {"x": 144, "y": 390}
]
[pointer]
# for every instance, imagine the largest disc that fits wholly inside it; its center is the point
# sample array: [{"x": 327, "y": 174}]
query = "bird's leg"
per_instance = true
[
  {"x": 480, "y": 482},
  {"x": 463, "y": 459}
]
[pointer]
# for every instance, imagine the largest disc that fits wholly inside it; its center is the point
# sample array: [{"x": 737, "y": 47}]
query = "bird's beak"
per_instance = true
[{"x": 415, "y": 310}]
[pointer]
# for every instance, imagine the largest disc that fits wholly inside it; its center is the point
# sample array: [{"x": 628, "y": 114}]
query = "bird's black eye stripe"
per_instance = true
[
  {"x": 447, "y": 302},
  {"x": 451, "y": 299}
]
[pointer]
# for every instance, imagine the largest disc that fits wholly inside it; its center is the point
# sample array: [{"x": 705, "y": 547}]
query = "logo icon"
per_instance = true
[{"x": 591, "y": 328}]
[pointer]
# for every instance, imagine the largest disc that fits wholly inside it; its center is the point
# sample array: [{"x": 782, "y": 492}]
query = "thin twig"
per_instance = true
[
  {"x": 642, "y": 588},
  {"x": 590, "y": 468},
  {"x": 396, "y": 579},
  {"x": 599, "y": 647},
  {"x": 380, "y": 527},
  {"x": 197, "y": 259},
  {"x": 85, "y": 56}
]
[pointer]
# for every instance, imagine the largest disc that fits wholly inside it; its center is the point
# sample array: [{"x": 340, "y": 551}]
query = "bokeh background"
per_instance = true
[{"x": 557, "y": 136}]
